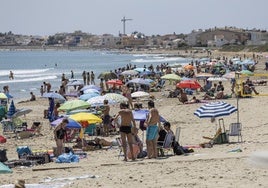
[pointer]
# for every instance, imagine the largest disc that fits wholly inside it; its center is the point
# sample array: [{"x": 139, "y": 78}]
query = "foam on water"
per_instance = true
[
  {"x": 159, "y": 60},
  {"x": 23, "y": 72},
  {"x": 31, "y": 79}
]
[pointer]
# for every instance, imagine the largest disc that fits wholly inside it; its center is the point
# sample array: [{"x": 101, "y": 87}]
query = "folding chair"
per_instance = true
[
  {"x": 235, "y": 130},
  {"x": 167, "y": 144}
]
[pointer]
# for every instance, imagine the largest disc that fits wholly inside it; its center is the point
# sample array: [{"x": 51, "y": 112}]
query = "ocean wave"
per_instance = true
[
  {"x": 31, "y": 79},
  {"x": 159, "y": 60},
  {"x": 22, "y": 71}
]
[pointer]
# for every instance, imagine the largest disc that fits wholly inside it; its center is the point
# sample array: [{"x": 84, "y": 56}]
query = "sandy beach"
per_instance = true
[{"x": 205, "y": 167}]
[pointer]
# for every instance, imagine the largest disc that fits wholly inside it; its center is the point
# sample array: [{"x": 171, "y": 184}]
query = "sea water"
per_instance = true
[{"x": 32, "y": 68}]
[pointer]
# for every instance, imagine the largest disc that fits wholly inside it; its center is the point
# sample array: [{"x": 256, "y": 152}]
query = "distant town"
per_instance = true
[{"x": 213, "y": 38}]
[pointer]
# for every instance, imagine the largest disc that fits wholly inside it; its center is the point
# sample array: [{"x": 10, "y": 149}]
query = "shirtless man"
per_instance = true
[
  {"x": 127, "y": 124},
  {"x": 106, "y": 118},
  {"x": 152, "y": 130}
]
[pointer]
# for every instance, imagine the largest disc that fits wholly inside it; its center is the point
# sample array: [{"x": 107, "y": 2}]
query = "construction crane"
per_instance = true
[{"x": 124, "y": 24}]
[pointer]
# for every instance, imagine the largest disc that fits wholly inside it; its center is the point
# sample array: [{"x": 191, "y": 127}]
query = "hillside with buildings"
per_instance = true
[{"x": 211, "y": 38}]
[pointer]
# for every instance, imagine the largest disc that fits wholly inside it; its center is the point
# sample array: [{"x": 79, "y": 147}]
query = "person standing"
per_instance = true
[
  {"x": 72, "y": 74},
  {"x": 88, "y": 78},
  {"x": 47, "y": 86},
  {"x": 106, "y": 118},
  {"x": 127, "y": 124},
  {"x": 127, "y": 93},
  {"x": 152, "y": 130},
  {"x": 92, "y": 76},
  {"x": 84, "y": 77},
  {"x": 42, "y": 90},
  {"x": 59, "y": 136}
]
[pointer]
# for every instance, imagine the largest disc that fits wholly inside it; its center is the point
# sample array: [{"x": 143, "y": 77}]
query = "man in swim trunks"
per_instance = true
[
  {"x": 152, "y": 130},
  {"x": 106, "y": 118},
  {"x": 127, "y": 124}
]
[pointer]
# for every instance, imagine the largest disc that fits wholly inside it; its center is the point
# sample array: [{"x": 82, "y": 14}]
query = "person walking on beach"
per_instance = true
[
  {"x": 127, "y": 124},
  {"x": 11, "y": 75},
  {"x": 59, "y": 136},
  {"x": 152, "y": 130},
  {"x": 42, "y": 91},
  {"x": 47, "y": 86}
]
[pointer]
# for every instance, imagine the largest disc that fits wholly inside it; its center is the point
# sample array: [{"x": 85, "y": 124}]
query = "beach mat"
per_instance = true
[{"x": 4, "y": 169}]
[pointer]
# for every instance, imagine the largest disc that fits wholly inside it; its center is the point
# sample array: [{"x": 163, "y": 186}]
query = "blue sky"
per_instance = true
[{"x": 151, "y": 17}]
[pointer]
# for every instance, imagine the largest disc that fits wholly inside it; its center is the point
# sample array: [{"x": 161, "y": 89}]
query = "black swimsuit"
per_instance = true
[
  {"x": 125, "y": 129},
  {"x": 60, "y": 133}
]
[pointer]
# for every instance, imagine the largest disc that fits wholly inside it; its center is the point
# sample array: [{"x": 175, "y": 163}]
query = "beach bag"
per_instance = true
[{"x": 3, "y": 155}]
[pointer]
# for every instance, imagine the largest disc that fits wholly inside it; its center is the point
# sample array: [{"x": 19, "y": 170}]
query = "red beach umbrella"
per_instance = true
[
  {"x": 115, "y": 82},
  {"x": 191, "y": 84}
]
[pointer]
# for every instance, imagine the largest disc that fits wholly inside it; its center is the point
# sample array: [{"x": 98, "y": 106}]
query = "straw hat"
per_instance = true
[{"x": 20, "y": 184}]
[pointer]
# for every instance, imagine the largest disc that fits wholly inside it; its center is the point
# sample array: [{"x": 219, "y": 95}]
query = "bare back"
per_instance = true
[
  {"x": 154, "y": 117},
  {"x": 106, "y": 110},
  {"x": 126, "y": 117}
]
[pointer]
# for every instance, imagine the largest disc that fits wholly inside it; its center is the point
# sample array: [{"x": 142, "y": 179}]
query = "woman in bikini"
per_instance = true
[
  {"x": 127, "y": 124},
  {"x": 59, "y": 136}
]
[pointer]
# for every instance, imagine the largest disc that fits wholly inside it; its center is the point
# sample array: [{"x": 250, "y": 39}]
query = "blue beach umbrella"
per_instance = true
[
  {"x": 87, "y": 96},
  {"x": 71, "y": 125},
  {"x": 141, "y": 81},
  {"x": 215, "y": 109},
  {"x": 11, "y": 110},
  {"x": 91, "y": 87}
]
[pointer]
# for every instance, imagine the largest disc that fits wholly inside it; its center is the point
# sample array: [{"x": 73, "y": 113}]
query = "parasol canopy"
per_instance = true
[
  {"x": 215, "y": 109},
  {"x": 74, "y": 104}
]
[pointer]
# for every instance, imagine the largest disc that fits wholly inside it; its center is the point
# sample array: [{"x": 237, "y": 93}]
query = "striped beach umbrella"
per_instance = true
[{"x": 215, "y": 109}]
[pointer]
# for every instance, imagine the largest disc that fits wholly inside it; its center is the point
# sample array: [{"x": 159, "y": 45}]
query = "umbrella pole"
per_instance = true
[{"x": 237, "y": 98}]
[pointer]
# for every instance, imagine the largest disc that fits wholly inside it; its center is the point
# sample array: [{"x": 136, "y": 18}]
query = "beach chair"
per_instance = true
[
  {"x": 235, "y": 130},
  {"x": 167, "y": 145},
  {"x": 177, "y": 134}
]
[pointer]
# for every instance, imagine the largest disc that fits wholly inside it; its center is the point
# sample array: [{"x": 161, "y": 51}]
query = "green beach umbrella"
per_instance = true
[
  {"x": 73, "y": 105},
  {"x": 247, "y": 72},
  {"x": 171, "y": 77}
]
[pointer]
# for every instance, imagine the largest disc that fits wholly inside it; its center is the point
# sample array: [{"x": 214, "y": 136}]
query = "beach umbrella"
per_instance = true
[
  {"x": 246, "y": 72},
  {"x": 21, "y": 112},
  {"x": 115, "y": 82},
  {"x": 229, "y": 75},
  {"x": 88, "y": 117},
  {"x": 74, "y": 104},
  {"x": 215, "y": 109},
  {"x": 203, "y": 75},
  {"x": 115, "y": 97},
  {"x": 53, "y": 96},
  {"x": 189, "y": 67},
  {"x": 171, "y": 77},
  {"x": 107, "y": 75},
  {"x": 3, "y": 96},
  {"x": 217, "y": 79},
  {"x": 191, "y": 84},
  {"x": 145, "y": 73},
  {"x": 93, "y": 111},
  {"x": 11, "y": 110},
  {"x": 247, "y": 62},
  {"x": 140, "y": 94},
  {"x": 129, "y": 72},
  {"x": 98, "y": 101},
  {"x": 87, "y": 96},
  {"x": 141, "y": 81},
  {"x": 75, "y": 83},
  {"x": 71, "y": 125},
  {"x": 91, "y": 91},
  {"x": 91, "y": 87}
]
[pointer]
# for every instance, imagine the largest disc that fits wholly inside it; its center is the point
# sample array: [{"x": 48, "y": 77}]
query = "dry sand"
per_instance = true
[{"x": 206, "y": 167}]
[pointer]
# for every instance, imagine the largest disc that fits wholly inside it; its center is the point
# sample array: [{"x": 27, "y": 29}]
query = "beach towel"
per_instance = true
[{"x": 4, "y": 169}]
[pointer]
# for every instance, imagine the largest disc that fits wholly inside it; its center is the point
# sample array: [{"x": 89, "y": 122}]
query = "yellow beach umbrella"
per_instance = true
[{"x": 83, "y": 116}]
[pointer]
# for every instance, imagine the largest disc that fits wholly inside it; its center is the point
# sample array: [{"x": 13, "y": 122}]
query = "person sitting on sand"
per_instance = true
[
  {"x": 250, "y": 84},
  {"x": 33, "y": 98},
  {"x": 183, "y": 96},
  {"x": 193, "y": 100},
  {"x": 219, "y": 95}
]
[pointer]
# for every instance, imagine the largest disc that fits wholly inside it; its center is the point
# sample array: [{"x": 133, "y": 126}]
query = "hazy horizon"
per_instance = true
[{"x": 151, "y": 17}]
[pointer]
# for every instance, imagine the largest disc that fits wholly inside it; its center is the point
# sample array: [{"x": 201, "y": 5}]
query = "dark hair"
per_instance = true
[
  {"x": 167, "y": 124},
  {"x": 65, "y": 120},
  {"x": 151, "y": 103}
]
